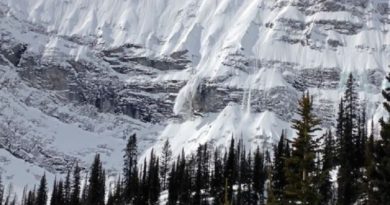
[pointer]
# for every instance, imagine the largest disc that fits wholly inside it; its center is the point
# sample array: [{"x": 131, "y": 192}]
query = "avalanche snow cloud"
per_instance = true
[{"x": 79, "y": 76}]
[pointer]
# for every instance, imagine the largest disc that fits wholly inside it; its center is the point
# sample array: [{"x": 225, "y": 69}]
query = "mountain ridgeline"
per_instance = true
[{"x": 341, "y": 167}]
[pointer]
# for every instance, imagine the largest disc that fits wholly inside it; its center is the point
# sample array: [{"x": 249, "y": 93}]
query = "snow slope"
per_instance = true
[{"x": 190, "y": 71}]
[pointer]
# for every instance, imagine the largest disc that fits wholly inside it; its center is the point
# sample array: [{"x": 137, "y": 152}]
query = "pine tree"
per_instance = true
[
  {"x": 362, "y": 137},
  {"x": 130, "y": 171},
  {"x": 60, "y": 193},
  {"x": 184, "y": 180},
  {"x": 271, "y": 198},
  {"x": 42, "y": 192},
  {"x": 281, "y": 152},
  {"x": 217, "y": 179},
  {"x": 67, "y": 188},
  {"x": 199, "y": 176},
  {"x": 84, "y": 192},
  {"x": 383, "y": 152},
  {"x": 325, "y": 185},
  {"x": 173, "y": 185},
  {"x": 54, "y": 193},
  {"x": 300, "y": 167},
  {"x": 117, "y": 195},
  {"x": 259, "y": 177},
  {"x": 246, "y": 174},
  {"x": 370, "y": 192},
  {"x": 349, "y": 153},
  {"x": 351, "y": 129},
  {"x": 96, "y": 183},
  {"x": 230, "y": 169},
  {"x": 143, "y": 196},
  {"x": 75, "y": 192},
  {"x": 340, "y": 133},
  {"x": 31, "y": 199},
  {"x": 166, "y": 158},
  {"x": 153, "y": 179}
]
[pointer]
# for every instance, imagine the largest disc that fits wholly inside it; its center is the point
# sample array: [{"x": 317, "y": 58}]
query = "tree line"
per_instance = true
[{"x": 342, "y": 167}]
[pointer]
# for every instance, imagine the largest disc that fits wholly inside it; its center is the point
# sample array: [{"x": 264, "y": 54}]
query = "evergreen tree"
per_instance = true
[
  {"x": 246, "y": 174},
  {"x": 300, "y": 167},
  {"x": 325, "y": 185},
  {"x": 362, "y": 137},
  {"x": 118, "y": 191},
  {"x": 153, "y": 179},
  {"x": 42, "y": 192},
  {"x": 96, "y": 183},
  {"x": 340, "y": 133},
  {"x": 173, "y": 186},
  {"x": 370, "y": 191},
  {"x": 199, "y": 176},
  {"x": 217, "y": 179},
  {"x": 349, "y": 153},
  {"x": 166, "y": 158},
  {"x": 130, "y": 170},
  {"x": 259, "y": 177},
  {"x": 75, "y": 192},
  {"x": 31, "y": 198},
  {"x": 54, "y": 193},
  {"x": 271, "y": 198},
  {"x": 60, "y": 197},
  {"x": 143, "y": 196},
  {"x": 230, "y": 170},
  {"x": 67, "y": 189},
  {"x": 184, "y": 179},
  {"x": 383, "y": 152},
  {"x": 281, "y": 152}
]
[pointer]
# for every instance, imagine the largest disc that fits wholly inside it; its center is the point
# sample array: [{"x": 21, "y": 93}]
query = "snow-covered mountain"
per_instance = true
[{"x": 79, "y": 76}]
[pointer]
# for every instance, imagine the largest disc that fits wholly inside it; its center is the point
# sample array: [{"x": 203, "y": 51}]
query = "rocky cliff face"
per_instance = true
[{"x": 77, "y": 77}]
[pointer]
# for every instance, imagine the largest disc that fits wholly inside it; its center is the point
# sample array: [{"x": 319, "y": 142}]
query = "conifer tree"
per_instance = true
[
  {"x": 31, "y": 199},
  {"x": 67, "y": 188},
  {"x": 153, "y": 179},
  {"x": 300, "y": 167},
  {"x": 130, "y": 170},
  {"x": 172, "y": 186},
  {"x": 340, "y": 133},
  {"x": 246, "y": 174},
  {"x": 60, "y": 197},
  {"x": 54, "y": 193},
  {"x": 217, "y": 179},
  {"x": 348, "y": 175},
  {"x": 199, "y": 180},
  {"x": 166, "y": 157},
  {"x": 271, "y": 198},
  {"x": 259, "y": 177},
  {"x": 96, "y": 183},
  {"x": 325, "y": 184},
  {"x": 42, "y": 192},
  {"x": 370, "y": 192},
  {"x": 75, "y": 191},
  {"x": 383, "y": 151},
  {"x": 230, "y": 169},
  {"x": 281, "y": 152}
]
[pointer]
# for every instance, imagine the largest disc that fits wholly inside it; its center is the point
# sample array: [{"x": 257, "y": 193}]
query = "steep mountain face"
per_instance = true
[{"x": 79, "y": 76}]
